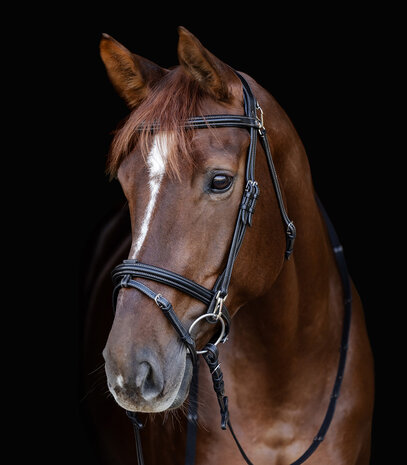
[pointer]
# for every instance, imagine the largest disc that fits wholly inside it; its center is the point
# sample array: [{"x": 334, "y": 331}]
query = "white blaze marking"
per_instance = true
[{"x": 156, "y": 161}]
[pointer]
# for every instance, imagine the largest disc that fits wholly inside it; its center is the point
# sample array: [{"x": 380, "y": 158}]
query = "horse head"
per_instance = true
[{"x": 183, "y": 188}]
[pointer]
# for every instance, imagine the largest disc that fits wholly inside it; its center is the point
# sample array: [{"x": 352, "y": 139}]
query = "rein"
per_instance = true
[{"x": 123, "y": 277}]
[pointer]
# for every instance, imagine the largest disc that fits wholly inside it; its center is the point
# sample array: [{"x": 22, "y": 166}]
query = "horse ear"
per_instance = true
[
  {"x": 130, "y": 74},
  {"x": 212, "y": 74}
]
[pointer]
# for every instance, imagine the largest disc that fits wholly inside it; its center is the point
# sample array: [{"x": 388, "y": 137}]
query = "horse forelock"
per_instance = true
[{"x": 175, "y": 98}]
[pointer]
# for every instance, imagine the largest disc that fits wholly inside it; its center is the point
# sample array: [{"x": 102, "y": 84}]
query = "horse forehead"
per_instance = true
[
  {"x": 218, "y": 141},
  {"x": 158, "y": 155},
  {"x": 219, "y": 135},
  {"x": 132, "y": 168},
  {"x": 221, "y": 141}
]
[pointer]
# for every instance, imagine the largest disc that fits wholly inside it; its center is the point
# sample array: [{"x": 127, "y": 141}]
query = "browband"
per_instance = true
[{"x": 212, "y": 121}]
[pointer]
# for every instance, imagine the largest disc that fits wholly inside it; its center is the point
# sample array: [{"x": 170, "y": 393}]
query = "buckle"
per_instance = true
[
  {"x": 162, "y": 303},
  {"x": 217, "y": 311},
  {"x": 260, "y": 121}
]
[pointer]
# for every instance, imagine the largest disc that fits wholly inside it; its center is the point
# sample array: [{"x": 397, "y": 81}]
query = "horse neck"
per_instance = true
[{"x": 293, "y": 331}]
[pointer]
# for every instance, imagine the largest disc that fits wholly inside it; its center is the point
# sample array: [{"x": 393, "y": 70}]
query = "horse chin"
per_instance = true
[{"x": 183, "y": 390}]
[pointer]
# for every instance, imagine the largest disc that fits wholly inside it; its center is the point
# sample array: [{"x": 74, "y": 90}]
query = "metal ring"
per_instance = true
[{"x": 205, "y": 315}]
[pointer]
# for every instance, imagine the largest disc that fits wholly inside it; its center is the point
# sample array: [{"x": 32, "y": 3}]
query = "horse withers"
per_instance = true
[{"x": 184, "y": 184}]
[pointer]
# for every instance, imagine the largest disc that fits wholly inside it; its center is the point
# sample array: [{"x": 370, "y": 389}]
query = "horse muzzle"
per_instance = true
[{"x": 146, "y": 384}]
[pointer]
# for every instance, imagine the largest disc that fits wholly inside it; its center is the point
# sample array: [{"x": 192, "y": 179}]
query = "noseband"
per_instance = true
[{"x": 214, "y": 299}]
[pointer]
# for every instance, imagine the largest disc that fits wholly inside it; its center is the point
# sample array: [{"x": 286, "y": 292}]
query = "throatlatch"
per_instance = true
[{"x": 123, "y": 277}]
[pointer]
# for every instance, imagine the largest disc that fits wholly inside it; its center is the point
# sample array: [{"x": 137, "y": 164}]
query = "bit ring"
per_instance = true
[{"x": 218, "y": 317}]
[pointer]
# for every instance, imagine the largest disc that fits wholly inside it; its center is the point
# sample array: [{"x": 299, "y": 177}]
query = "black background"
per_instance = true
[{"x": 333, "y": 77}]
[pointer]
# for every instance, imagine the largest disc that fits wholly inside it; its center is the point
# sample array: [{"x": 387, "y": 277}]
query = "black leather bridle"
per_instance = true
[{"x": 123, "y": 277}]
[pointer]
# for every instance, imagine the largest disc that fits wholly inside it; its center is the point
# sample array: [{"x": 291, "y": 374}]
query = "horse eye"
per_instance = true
[{"x": 221, "y": 183}]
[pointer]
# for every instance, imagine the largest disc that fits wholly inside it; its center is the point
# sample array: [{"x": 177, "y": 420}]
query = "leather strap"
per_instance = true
[
  {"x": 222, "y": 121},
  {"x": 169, "y": 278},
  {"x": 211, "y": 121},
  {"x": 133, "y": 268},
  {"x": 290, "y": 228},
  {"x": 211, "y": 357},
  {"x": 192, "y": 418},
  {"x": 137, "y": 426}
]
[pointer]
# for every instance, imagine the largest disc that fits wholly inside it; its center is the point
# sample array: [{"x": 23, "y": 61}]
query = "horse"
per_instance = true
[{"x": 184, "y": 186}]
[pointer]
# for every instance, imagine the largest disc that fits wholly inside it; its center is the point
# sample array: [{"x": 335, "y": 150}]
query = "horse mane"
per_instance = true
[{"x": 172, "y": 100}]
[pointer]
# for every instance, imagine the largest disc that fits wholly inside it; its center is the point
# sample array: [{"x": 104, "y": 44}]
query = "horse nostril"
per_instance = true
[{"x": 149, "y": 381}]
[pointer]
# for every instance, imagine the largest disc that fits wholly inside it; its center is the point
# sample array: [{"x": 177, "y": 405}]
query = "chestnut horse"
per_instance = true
[{"x": 184, "y": 188}]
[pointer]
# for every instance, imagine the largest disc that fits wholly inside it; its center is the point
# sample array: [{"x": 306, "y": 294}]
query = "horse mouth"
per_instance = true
[
  {"x": 183, "y": 390},
  {"x": 172, "y": 397}
]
